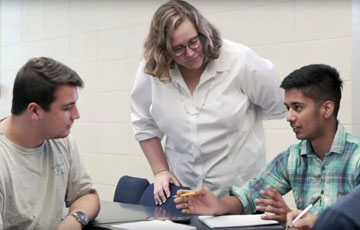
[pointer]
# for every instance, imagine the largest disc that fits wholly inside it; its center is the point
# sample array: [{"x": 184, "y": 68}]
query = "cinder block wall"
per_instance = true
[{"x": 103, "y": 40}]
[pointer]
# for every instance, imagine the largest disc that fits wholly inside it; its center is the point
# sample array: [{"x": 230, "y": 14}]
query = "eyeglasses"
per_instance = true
[{"x": 181, "y": 49}]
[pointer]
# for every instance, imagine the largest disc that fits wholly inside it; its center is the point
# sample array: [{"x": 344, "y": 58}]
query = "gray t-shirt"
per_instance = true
[{"x": 35, "y": 183}]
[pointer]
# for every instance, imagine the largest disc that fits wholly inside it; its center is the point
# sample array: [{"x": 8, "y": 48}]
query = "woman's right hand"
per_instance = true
[{"x": 162, "y": 181}]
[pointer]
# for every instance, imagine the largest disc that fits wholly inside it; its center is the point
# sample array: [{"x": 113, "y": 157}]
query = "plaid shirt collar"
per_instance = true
[{"x": 337, "y": 146}]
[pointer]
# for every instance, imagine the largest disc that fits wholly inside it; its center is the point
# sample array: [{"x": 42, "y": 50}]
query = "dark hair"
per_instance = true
[
  {"x": 317, "y": 81},
  {"x": 38, "y": 80},
  {"x": 158, "y": 51}
]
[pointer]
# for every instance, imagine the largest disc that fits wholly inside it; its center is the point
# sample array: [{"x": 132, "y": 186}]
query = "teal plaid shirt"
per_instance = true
[{"x": 300, "y": 170}]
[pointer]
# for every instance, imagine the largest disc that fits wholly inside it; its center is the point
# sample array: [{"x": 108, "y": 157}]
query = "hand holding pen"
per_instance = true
[
  {"x": 199, "y": 201},
  {"x": 191, "y": 193},
  {"x": 307, "y": 222}
]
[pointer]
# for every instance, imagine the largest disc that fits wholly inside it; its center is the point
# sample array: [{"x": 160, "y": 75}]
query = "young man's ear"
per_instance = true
[
  {"x": 328, "y": 109},
  {"x": 34, "y": 110}
]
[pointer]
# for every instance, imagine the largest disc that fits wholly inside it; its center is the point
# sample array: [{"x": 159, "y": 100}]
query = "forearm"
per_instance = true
[
  {"x": 229, "y": 205},
  {"x": 89, "y": 204},
  {"x": 155, "y": 155}
]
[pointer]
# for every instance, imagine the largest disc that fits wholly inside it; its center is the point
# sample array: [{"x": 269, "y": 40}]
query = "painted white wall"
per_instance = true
[
  {"x": 103, "y": 40},
  {"x": 356, "y": 66}
]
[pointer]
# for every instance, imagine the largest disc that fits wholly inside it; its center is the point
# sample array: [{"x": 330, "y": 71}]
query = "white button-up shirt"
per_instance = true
[{"x": 215, "y": 137}]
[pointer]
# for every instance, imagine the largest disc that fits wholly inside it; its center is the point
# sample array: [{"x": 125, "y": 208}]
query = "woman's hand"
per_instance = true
[{"x": 162, "y": 181}]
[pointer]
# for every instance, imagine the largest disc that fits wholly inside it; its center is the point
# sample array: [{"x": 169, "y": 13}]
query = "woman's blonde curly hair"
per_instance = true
[{"x": 158, "y": 51}]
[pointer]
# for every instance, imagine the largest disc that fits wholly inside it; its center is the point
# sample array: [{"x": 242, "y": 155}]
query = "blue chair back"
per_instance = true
[{"x": 130, "y": 189}]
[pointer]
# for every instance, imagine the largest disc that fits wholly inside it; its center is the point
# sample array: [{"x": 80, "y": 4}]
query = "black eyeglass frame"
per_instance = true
[{"x": 193, "y": 44}]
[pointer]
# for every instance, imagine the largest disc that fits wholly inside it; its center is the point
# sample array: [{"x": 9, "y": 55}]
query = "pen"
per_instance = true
[
  {"x": 185, "y": 194},
  {"x": 305, "y": 211}
]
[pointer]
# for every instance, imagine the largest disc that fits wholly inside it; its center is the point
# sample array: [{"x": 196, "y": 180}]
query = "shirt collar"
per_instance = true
[
  {"x": 338, "y": 144},
  {"x": 221, "y": 64}
]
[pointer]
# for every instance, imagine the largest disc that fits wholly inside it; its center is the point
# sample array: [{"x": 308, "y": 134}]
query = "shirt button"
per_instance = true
[
  {"x": 322, "y": 192},
  {"x": 323, "y": 168}
]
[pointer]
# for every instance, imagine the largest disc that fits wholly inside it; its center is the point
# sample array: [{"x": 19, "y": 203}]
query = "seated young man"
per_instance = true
[
  {"x": 324, "y": 163},
  {"x": 40, "y": 166}
]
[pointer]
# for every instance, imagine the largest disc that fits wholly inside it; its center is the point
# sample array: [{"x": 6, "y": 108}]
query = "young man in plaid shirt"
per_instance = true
[{"x": 325, "y": 163}]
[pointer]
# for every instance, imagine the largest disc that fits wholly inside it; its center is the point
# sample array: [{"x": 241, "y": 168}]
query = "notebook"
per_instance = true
[
  {"x": 227, "y": 221},
  {"x": 153, "y": 224}
]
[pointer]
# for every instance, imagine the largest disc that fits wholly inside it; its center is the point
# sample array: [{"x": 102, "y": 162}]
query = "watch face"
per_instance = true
[{"x": 82, "y": 217}]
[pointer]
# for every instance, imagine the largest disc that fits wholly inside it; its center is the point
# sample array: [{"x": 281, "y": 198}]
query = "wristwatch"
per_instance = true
[{"x": 81, "y": 217}]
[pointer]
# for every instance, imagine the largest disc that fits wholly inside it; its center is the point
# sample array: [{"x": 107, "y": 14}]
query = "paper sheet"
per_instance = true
[
  {"x": 235, "y": 221},
  {"x": 153, "y": 224}
]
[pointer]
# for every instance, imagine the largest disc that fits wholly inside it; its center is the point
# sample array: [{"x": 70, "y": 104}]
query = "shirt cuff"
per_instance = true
[{"x": 249, "y": 208}]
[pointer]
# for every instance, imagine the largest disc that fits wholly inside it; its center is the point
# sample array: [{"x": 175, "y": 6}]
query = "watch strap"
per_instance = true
[{"x": 80, "y": 217}]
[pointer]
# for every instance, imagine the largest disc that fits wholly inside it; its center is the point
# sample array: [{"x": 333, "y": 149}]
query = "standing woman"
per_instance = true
[{"x": 208, "y": 96}]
